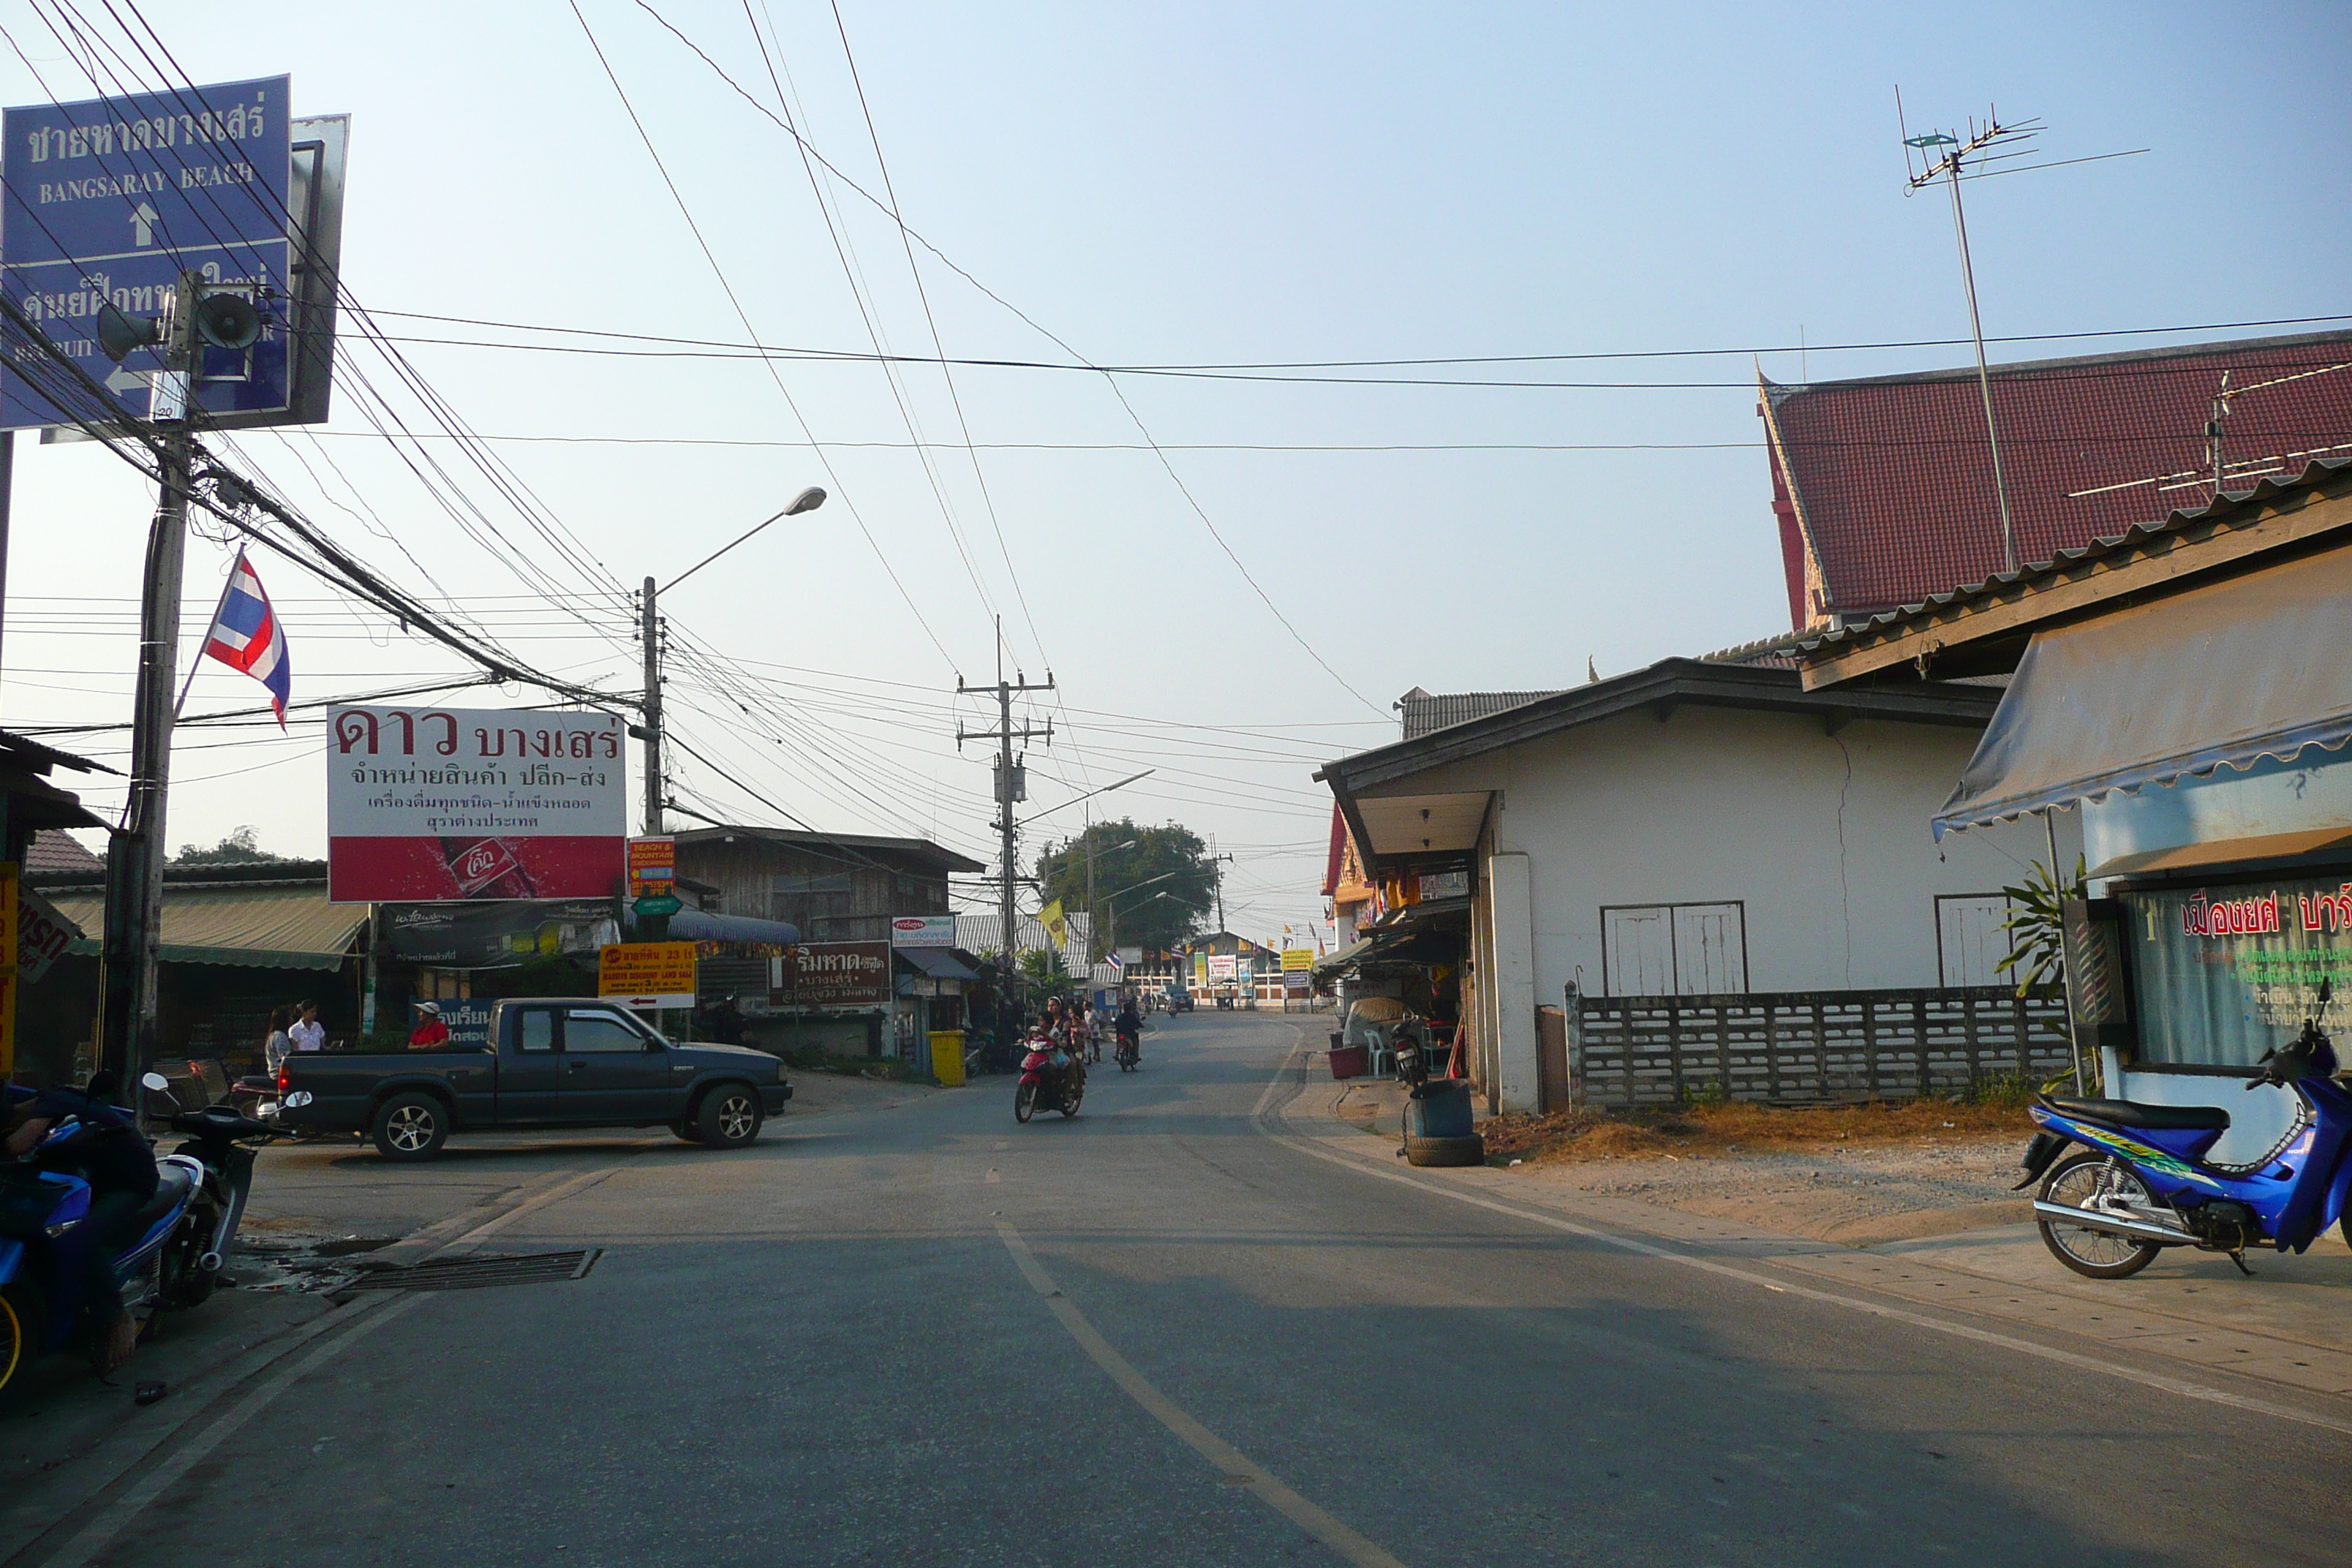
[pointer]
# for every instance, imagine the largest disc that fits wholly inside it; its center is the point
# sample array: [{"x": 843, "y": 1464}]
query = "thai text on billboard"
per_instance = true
[
  {"x": 833, "y": 975},
  {"x": 436, "y": 804}
]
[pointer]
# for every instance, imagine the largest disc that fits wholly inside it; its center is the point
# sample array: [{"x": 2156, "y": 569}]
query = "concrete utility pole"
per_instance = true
[
  {"x": 135, "y": 854},
  {"x": 649, "y": 632},
  {"x": 1011, "y": 780}
]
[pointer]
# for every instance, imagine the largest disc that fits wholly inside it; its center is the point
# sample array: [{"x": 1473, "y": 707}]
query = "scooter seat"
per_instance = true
[
  {"x": 171, "y": 1183},
  {"x": 2140, "y": 1113}
]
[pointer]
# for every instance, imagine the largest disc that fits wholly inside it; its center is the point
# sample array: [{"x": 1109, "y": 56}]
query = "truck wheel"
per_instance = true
[
  {"x": 729, "y": 1117},
  {"x": 411, "y": 1127}
]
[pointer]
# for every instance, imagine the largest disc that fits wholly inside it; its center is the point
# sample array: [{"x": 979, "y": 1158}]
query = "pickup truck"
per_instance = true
[{"x": 549, "y": 1061}]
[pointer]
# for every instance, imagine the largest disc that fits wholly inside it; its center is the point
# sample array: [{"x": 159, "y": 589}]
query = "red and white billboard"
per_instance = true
[{"x": 443, "y": 804}]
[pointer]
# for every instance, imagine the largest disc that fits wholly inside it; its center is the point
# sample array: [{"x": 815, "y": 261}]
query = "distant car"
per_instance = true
[
  {"x": 551, "y": 1061},
  {"x": 1180, "y": 1001}
]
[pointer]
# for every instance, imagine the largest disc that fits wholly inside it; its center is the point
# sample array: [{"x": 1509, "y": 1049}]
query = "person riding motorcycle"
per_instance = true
[
  {"x": 109, "y": 1153},
  {"x": 1131, "y": 1024}
]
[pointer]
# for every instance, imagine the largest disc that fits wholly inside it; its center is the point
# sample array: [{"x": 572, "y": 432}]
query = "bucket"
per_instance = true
[{"x": 1439, "y": 1108}]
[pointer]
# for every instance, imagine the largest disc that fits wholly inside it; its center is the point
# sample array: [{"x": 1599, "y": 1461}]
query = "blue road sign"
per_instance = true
[{"x": 109, "y": 201}]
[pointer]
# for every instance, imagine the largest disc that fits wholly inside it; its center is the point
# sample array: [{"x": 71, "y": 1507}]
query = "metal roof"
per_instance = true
[
  {"x": 846, "y": 846},
  {"x": 1425, "y": 710},
  {"x": 2067, "y": 562},
  {"x": 285, "y": 926},
  {"x": 1891, "y": 479}
]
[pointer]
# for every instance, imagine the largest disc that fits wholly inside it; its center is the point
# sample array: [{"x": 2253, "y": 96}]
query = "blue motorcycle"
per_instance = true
[
  {"x": 2140, "y": 1183},
  {"x": 41, "y": 1210}
]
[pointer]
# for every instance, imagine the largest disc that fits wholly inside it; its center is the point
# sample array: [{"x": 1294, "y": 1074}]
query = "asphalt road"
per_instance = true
[{"x": 1167, "y": 1332}]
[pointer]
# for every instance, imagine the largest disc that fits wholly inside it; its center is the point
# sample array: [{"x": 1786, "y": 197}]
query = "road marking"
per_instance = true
[
  {"x": 2140, "y": 1375},
  {"x": 99, "y": 1534},
  {"x": 530, "y": 1205},
  {"x": 1236, "y": 1468}
]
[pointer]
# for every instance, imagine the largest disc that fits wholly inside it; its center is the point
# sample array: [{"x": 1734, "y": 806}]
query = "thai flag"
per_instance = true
[{"x": 245, "y": 635}]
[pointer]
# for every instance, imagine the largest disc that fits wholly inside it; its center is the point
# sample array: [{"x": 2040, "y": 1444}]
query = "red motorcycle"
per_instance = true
[{"x": 1052, "y": 1075}]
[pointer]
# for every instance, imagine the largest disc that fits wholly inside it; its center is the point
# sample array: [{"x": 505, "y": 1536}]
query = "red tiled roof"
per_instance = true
[
  {"x": 54, "y": 851},
  {"x": 1895, "y": 480}
]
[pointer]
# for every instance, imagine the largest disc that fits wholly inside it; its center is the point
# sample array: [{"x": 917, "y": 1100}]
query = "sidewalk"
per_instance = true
[{"x": 2292, "y": 1325}]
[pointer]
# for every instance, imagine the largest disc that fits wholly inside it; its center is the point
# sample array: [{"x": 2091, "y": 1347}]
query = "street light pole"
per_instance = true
[{"x": 650, "y": 636}]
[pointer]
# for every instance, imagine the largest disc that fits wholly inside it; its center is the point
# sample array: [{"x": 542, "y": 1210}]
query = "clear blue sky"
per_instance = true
[{"x": 1164, "y": 185}]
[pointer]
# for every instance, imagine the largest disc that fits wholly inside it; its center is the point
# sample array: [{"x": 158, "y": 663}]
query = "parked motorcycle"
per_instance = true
[
  {"x": 41, "y": 1214},
  {"x": 1052, "y": 1075},
  {"x": 216, "y": 1136},
  {"x": 2141, "y": 1182}
]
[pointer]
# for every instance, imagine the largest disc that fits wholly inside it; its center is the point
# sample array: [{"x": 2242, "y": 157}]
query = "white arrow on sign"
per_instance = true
[
  {"x": 142, "y": 224},
  {"x": 122, "y": 380}
]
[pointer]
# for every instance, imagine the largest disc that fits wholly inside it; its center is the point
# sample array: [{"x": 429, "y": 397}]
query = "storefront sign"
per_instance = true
[
  {"x": 653, "y": 866},
  {"x": 494, "y": 935},
  {"x": 833, "y": 975},
  {"x": 42, "y": 936},
  {"x": 647, "y": 973},
  {"x": 1221, "y": 968},
  {"x": 2222, "y": 975},
  {"x": 1444, "y": 885},
  {"x": 462, "y": 804},
  {"x": 922, "y": 931}
]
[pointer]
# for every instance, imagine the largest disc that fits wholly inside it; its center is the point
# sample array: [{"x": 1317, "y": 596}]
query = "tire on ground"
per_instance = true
[
  {"x": 1470, "y": 1151},
  {"x": 411, "y": 1126},
  {"x": 729, "y": 1116}
]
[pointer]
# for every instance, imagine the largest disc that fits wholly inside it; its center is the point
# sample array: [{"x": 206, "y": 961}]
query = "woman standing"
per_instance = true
[{"x": 274, "y": 1049}]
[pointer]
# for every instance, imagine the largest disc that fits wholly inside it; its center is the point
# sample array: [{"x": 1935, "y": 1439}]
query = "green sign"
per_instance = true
[{"x": 657, "y": 904}]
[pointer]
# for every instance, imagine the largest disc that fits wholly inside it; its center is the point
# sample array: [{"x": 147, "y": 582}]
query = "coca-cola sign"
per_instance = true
[{"x": 448, "y": 803}]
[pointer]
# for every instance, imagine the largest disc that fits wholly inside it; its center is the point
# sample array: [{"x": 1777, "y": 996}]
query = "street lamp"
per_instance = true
[{"x": 808, "y": 500}]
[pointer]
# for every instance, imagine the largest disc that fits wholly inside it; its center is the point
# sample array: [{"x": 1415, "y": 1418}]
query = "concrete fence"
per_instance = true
[{"x": 1803, "y": 1046}]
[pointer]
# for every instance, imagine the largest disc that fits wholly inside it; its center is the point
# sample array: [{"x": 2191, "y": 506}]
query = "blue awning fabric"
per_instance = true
[
  {"x": 2220, "y": 675},
  {"x": 701, "y": 925}
]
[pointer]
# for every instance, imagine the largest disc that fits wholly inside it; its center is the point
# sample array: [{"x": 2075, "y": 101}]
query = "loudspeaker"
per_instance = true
[
  {"x": 117, "y": 334},
  {"x": 227, "y": 320}
]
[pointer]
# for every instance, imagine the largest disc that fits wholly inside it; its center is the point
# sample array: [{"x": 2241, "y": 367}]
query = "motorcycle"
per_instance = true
[
  {"x": 2141, "y": 1182},
  {"x": 1129, "y": 1051},
  {"x": 1052, "y": 1075},
  {"x": 41, "y": 1213},
  {"x": 216, "y": 1136}
]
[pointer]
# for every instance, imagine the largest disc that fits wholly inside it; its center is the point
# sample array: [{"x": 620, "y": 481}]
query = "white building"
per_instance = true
[{"x": 1693, "y": 829}]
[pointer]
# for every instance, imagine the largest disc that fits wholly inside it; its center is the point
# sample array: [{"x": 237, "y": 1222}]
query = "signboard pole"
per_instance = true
[{"x": 134, "y": 861}]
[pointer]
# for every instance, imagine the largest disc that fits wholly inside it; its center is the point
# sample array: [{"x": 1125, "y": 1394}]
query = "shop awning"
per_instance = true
[
  {"x": 1342, "y": 960},
  {"x": 262, "y": 928},
  {"x": 701, "y": 925},
  {"x": 2217, "y": 677},
  {"x": 937, "y": 962}
]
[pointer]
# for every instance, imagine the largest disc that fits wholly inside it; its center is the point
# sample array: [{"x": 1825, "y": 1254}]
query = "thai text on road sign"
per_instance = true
[{"x": 646, "y": 974}]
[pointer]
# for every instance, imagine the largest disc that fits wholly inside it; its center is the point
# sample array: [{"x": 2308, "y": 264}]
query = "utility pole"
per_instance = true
[
  {"x": 649, "y": 632},
  {"x": 135, "y": 860},
  {"x": 1011, "y": 780}
]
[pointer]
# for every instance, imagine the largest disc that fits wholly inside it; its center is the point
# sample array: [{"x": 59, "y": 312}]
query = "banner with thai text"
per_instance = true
[
  {"x": 439, "y": 804},
  {"x": 2223, "y": 974}
]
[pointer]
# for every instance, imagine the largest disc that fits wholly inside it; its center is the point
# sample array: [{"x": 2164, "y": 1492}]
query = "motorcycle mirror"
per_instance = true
[
  {"x": 297, "y": 1100},
  {"x": 155, "y": 1081}
]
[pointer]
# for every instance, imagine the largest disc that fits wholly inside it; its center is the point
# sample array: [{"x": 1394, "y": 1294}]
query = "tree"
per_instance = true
[
  {"x": 240, "y": 847},
  {"x": 1133, "y": 866}
]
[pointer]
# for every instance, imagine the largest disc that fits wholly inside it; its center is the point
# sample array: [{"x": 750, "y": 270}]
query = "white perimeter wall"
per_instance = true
[{"x": 1824, "y": 838}]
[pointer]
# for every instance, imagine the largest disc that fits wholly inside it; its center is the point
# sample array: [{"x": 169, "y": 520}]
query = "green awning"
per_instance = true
[{"x": 260, "y": 928}]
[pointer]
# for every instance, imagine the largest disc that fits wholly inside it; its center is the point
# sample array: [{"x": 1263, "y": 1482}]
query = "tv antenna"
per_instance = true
[{"x": 1951, "y": 157}]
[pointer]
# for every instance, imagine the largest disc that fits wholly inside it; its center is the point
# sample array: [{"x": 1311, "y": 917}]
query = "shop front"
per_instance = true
[{"x": 2184, "y": 689}]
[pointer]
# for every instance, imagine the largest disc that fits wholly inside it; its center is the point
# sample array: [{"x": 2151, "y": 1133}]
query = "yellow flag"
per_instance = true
[{"x": 1055, "y": 925}]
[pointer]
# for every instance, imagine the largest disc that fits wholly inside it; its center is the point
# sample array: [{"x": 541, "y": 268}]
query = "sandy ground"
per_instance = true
[{"x": 1929, "y": 1185}]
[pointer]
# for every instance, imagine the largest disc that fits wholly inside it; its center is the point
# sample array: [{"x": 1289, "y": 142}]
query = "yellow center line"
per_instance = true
[{"x": 1235, "y": 1464}]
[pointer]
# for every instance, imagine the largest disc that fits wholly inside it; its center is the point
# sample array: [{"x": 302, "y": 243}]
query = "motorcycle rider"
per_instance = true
[
  {"x": 1131, "y": 1024},
  {"x": 110, "y": 1155}
]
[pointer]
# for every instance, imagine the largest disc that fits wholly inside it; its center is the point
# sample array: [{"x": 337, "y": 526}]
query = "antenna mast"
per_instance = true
[{"x": 1950, "y": 153}]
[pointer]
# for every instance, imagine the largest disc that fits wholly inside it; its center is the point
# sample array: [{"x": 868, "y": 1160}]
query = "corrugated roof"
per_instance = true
[
  {"x": 1892, "y": 480},
  {"x": 264, "y": 926},
  {"x": 1424, "y": 711},
  {"x": 2316, "y": 472}
]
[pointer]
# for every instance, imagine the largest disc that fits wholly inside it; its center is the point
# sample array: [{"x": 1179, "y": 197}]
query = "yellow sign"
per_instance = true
[
  {"x": 647, "y": 973},
  {"x": 9, "y": 919},
  {"x": 1297, "y": 958}
]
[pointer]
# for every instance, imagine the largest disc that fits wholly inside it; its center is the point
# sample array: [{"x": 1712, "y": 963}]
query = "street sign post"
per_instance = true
[{"x": 109, "y": 201}]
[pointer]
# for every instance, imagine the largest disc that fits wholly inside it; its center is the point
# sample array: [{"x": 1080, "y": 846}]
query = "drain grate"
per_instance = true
[{"x": 479, "y": 1273}]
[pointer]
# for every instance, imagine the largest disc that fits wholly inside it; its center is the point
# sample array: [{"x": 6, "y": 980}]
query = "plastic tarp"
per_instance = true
[
  {"x": 262, "y": 928},
  {"x": 935, "y": 963},
  {"x": 701, "y": 925},
  {"x": 2220, "y": 675}
]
